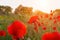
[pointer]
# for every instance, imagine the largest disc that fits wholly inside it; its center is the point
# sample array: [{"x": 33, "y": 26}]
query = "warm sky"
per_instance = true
[{"x": 43, "y": 5}]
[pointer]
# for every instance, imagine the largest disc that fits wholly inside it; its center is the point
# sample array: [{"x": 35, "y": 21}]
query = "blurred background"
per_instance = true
[{"x": 48, "y": 12}]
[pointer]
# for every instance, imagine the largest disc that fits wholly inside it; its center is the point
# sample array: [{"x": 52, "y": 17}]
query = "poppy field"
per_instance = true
[{"x": 24, "y": 24}]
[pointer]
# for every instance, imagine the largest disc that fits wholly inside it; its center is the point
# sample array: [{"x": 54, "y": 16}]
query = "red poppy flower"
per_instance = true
[
  {"x": 36, "y": 29},
  {"x": 44, "y": 28},
  {"x": 47, "y": 36},
  {"x": 58, "y": 18},
  {"x": 33, "y": 19},
  {"x": 51, "y": 36},
  {"x": 55, "y": 21},
  {"x": 17, "y": 29},
  {"x": 2, "y": 33},
  {"x": 54, "y": 28},
  {"x": 56, "y": 36}
]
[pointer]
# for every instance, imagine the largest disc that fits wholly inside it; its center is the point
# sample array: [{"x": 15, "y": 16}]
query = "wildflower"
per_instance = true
[
  {"x": 2, "y": 33},
  {"x": 54, "y": 28},
  {"x": 58, "y": 18},
  {"x": 47, "y": 36},
  {"x": 17, "y": 29},
  {"x": 55, "y": 21},
  {"x": 51, "y": 36},
  {"x": 33, "y": 19},
  {"x": 44, "y": 28}
]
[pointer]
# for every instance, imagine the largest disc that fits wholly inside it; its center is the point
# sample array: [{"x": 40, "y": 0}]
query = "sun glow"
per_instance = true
[{"x": 42, "y": 5}]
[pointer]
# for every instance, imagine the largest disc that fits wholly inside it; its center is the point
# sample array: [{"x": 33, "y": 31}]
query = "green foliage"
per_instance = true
[{"x": 5, "y": 10}]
